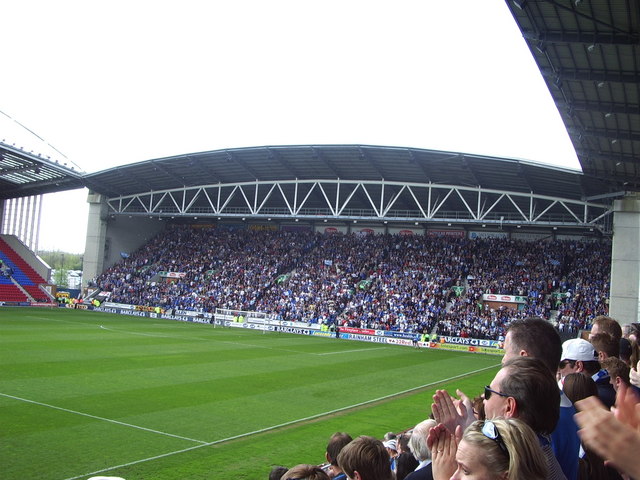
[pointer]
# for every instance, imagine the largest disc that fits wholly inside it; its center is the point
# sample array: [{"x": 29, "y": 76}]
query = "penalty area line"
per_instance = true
[
  {"x": 286, "y": 424},
  {"x": 95, "y": 417}
]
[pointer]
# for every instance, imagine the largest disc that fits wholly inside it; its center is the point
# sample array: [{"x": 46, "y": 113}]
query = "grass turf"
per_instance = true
[{"x": 86, "y": 392}]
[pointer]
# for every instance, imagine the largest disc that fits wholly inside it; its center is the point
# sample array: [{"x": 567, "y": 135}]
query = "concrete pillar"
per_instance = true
[
  {"x": 3, "y": 216},
  {"x": 96, "y": 238},
  {"x": 624, "y": 303}
]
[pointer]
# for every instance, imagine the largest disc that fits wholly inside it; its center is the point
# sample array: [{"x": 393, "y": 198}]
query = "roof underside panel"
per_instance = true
[
  {"x": 588, "y": 52},
  {"x": 24, "y": 174}
]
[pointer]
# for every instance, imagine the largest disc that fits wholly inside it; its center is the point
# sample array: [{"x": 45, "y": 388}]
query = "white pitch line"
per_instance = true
[
  {"x": 292, "y": 422},
  {"x": 103, "y": 419},
  {"x": 180, "y": 337},
  {"x": 350, "y": 351}
]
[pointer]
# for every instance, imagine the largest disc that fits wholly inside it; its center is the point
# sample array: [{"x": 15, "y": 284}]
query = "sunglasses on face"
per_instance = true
[
  {"x": 564, "y": 363},
  {"x": 488, "y": 391}
]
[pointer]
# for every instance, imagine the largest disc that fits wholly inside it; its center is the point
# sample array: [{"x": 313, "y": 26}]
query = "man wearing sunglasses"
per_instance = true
[
  {"x": 524, "y": 388},
  {"x": 536, "y": 337}
]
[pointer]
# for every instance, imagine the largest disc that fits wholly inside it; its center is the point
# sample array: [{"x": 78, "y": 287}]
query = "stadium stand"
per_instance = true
[{"x": 388, "y": 282}]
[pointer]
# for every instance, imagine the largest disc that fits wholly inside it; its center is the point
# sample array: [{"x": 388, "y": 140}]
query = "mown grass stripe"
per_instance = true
[{"x": 286, "y": 424}]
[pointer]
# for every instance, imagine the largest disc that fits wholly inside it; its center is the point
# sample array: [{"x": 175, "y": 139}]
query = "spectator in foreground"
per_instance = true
[
  {"x": 525, "y": 388},
  {"x": 365, "y": 459},
  {"x": 604, "y": 324},
  {"x": 618, "y": 372},
  {"x": 615, "y": 437},
  {"x": 537, "y": 338},
  {"x": 305, "y": 472},
  {"x": 406, "y": 463},
  {"x": 503, "y": 449},
  {"x": 579, "y": 356},
  {"x": 592, "y": 467},
  {"x": 277, "y": 472},
  {"x": 336, "y": 443},
  {"x": 420, "y": 449}
]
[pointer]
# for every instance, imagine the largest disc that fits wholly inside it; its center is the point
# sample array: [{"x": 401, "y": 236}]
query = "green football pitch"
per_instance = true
[{"x": 85, "y": 393}]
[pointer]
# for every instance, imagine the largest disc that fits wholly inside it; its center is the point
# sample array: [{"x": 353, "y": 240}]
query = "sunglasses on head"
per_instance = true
[
  {"x": 488, "y": 391},
  {"x": 490, "y": 430}
]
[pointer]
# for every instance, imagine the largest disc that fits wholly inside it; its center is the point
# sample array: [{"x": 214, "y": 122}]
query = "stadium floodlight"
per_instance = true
[{"x": 520, "y": 3}]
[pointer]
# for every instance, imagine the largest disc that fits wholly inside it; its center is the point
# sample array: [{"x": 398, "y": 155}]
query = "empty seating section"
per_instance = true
[
  {"x": 22, "y": 273},
  {"x": 11, "y": 293}
]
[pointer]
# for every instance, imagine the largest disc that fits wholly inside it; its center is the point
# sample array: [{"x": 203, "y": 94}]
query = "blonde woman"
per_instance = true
[{"x": 504, "y": 449}]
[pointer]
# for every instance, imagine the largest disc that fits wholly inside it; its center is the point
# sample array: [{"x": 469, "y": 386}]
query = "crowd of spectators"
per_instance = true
[
  {"x": 542, "y": 418},
  {"x": 391, "y": 282}
]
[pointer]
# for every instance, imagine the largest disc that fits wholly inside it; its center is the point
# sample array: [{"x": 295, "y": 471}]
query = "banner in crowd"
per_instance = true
[
  {"x": 491, "y": 297},
  {"x": 484, "y": 234},
  {"x": 172, "y": 274},
  {"x": 446, "y": 233}
]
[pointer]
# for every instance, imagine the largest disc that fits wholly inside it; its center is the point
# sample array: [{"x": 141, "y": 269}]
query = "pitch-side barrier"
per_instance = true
[{"x": 268, "y": 323}]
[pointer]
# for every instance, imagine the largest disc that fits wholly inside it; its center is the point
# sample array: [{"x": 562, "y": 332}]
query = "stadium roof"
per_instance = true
[
  {"x": 588, "y": 52},
  {"x": 345, "y": 162},
  {"x": 24, "y": 174}
]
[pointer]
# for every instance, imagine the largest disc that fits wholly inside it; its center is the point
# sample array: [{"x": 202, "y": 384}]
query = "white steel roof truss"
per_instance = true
[
  {"x": 517, "y": 207},
  {"x": 488, "y": 211},
  {"x": 371, "y": 201},
  {"x": 304, "y": 201},
  {"x": 206, "y": 194},
  {"x": 255, "y": 199},
  {"x": 545, "y": 211},
  {"x": 393, "y": 201},
  {"x": 439, "y": 205},
  {"x": 258, "y": 208},
  {"x": 428, "y": 208},
  {"x": 475, "y": 216},
  {"x": 415, "y": 199},
  {"x": 229, "y": 197},
  {"x": 193, "y": 200},
  {"x": 137, "y": 197},
  {"x": 157, "y": 204},
  {"x": 594, "y": 220},
  {"x": 333, "y": 210},
  {"x": 570, "y": 211},
  {"x": 246, "y": 200},
  {"x": 286, "y": 200}
]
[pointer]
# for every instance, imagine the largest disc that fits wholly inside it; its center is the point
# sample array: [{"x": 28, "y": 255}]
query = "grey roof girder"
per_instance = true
[
  {"x": 603, "y": 107},
  {"x": 596, "y": 38},
  {"x": 584, "y": 75},
  {"x": 319, "y": 155},
  {"x": 242, "y": 163},
  {"x": 605, "y": 133},
  {"x": 274, "y": 154}
]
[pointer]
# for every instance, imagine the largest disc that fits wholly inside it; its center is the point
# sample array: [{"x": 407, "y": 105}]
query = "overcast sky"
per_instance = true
[{"x": 122, "y": 82}]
